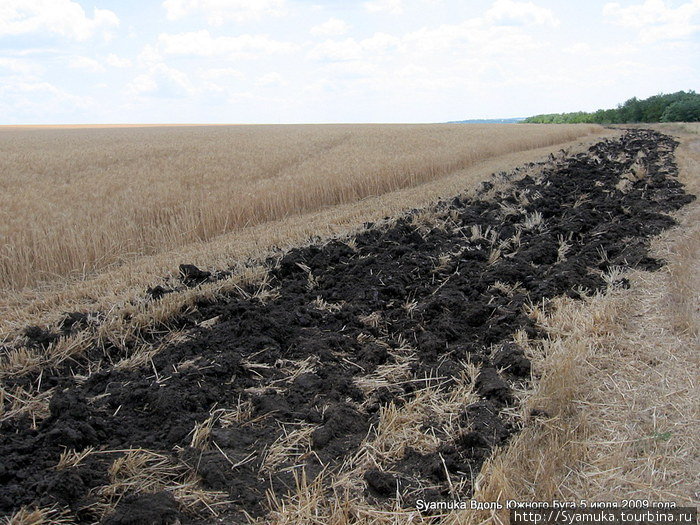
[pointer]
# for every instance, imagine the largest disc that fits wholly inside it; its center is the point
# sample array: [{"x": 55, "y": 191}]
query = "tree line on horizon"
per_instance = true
[{"x": 674, "y": 107}]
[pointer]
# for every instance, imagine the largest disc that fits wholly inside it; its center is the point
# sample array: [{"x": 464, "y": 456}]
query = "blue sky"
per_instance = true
[{"x": 288, "y": 61}]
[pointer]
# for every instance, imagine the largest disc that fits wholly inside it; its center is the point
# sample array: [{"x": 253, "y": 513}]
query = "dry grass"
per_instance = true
[
  {"x": 134, "y": 471},
  {"x": 682, "y": 251},
  {"x": 683, "y": 128},
  {"x": 337, "y": 497},
  {"x": 142, "y": 471},
  {"x": 402, "y": 426},
  {"x": 23, "y": 360},
  {"x": 38, "y": 516},
  {"x": 293, "y": 445},
  {"x": 75, "y": 201},
  {"x": 21, "y": 401},
  {"x": 620, "y": 390}
]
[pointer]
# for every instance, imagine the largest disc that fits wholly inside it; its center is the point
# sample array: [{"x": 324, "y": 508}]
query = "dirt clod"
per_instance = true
[
  {"x": 381, "y": 483},
  {"x": 490, "y": 385},
  {"x": 145, "y": 509},
  {"x": 511, "y": 359},
  {"x": 190, "y": 274}
]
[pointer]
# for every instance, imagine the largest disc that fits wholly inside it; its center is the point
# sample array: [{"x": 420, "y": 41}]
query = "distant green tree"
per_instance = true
[
  {"x": 653, "y": 108},
  {"x": 631, "y": 111},
  {"x": 686, "y": 110},
  {"x": 679, "y": 106}
]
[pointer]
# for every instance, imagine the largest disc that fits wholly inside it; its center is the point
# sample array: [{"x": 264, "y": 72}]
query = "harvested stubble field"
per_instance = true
[
  {"x": 484, "y": 346},
  {"x": 75, "y": 201}
]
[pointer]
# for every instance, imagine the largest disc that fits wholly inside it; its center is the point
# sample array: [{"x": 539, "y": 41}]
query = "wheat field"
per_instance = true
[{"x": 74, "y": 201}]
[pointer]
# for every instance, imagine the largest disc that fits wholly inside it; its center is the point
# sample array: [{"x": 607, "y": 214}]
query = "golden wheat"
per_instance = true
[{"x": 74, "y": 201}]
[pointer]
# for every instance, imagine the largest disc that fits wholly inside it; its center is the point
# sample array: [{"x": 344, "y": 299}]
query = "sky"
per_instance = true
[{"x": 319, "y": 61}]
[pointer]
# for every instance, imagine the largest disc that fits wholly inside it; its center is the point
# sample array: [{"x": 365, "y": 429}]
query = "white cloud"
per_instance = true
[
  {"x": 143, "y": 83},
  {"x": 201, "y": 43},
  {"x": 25, "y": 101},
  {"x": 117, "y": 61},
  {"x": 381, "y": 43},
  {"x": 511, "y": 12},
  {"x": 476, "y": 53},
  {"x": 16, "y": 65},
  {"x": 337, "y": 50},
  {"x": 219, "y": 81},
  {"x": 579, "y": 49},
  {"x": 388, "y": 6},
  {"x": 57, "y": 17},
  {"x": 351, "y": 49},
  {"x": 149, "y": 56},
  {"x": 271, "y": 79},
  {"x": 331, "y": 27},
  {"x": 217, "y": 12},
  {"x": 221, "y": 73},
  {"x": 162, "y": 81},
  {"x": 90, "y": 64},
  {"x": 476, "y": 37},
  {"x": 36, "y": 51},
  {"x": 655, "y": 20},
  {"x": 353, "y": 69},
  {"x": 584, "y": 49}
]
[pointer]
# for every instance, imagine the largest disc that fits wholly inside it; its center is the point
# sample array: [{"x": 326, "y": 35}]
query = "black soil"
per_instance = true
[{"x": 467, "y": 302}]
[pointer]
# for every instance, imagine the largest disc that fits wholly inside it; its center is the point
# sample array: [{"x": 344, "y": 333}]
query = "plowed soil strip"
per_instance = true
[{"x": 296, "y": 373}]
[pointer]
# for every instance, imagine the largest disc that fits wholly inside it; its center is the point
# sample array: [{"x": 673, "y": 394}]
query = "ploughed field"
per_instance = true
[{"x": 383, "y": 365}]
